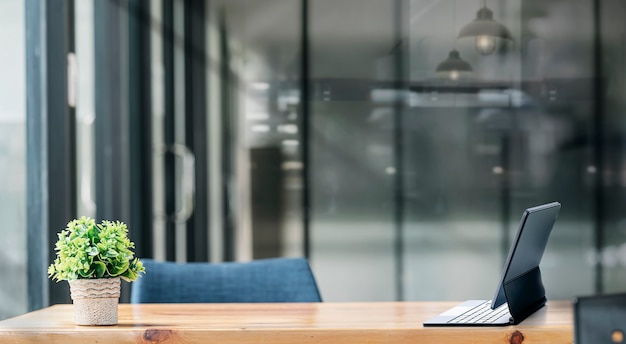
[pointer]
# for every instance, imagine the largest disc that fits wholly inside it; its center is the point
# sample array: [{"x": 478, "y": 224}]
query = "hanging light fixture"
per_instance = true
[
  {"x": 454, "y": 66},
  {"x": 486, "y": 31}
]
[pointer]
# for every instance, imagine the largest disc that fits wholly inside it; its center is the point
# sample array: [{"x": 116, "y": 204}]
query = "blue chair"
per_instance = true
[{"x": 264, "y": 280}]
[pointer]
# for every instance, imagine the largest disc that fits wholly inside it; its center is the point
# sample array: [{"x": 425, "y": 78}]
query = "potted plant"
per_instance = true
[{"x": 92, "y": 258}]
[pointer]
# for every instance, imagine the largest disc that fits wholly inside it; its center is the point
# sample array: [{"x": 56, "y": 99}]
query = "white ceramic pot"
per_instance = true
[{"x": 95, "y": 300}]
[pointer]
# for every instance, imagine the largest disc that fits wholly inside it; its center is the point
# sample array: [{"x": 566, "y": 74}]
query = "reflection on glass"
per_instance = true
[
  {"x": 512, "y": 124},
  {"x": 85, "y": 112},
  {"x": 485, "y": 45},
  {"x": 522, "y": 131},
  {"x": 269, "y": 164},
  {"x": 480, "y": 152}
]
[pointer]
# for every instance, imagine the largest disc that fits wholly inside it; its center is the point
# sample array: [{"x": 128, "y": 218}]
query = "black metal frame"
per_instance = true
[
  {"x": 305, "y": 112},
  {"x": 140, "y": 125},
  {"x": 196, "y": 127},
  {"x": 169, "y": 128},
  {"x": 598, "y": 146}
]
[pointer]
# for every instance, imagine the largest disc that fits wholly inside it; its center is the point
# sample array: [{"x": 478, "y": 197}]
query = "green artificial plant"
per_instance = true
[{"x": 89, "y": 250}]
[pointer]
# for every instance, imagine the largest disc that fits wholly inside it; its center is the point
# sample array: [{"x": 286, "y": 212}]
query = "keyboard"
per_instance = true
[{"x": 481, "y": 314}]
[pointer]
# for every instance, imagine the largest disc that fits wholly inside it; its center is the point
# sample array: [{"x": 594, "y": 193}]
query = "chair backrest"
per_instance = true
[
  {"x": 264, "y": 280},
  {"x": 600, "y": 319}
]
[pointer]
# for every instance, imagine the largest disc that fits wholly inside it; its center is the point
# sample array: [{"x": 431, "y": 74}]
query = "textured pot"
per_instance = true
[{"x": 95, "y": 300}]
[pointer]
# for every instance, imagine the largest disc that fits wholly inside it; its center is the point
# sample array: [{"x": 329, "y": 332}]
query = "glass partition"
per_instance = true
[
  {"x": 264, "y": 42},
  {"x": 427, "y": 141},
  {"x": 13, "y": 259},
  {"x": 352, "y": 153},
  {"x": 506, "y": 136},
  {"x": 513, "y": 125},
  {"x": 611, "y": 87}
]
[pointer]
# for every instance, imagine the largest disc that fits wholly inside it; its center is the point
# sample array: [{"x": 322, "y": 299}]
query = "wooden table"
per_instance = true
[{"x": 384, "y": 322}]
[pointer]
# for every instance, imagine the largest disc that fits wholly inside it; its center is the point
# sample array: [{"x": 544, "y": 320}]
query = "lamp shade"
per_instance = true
[
  {"x": 486, "y": 31},
  {"x": 485, "y": 25},
  {"x": 454, "y": 62}
]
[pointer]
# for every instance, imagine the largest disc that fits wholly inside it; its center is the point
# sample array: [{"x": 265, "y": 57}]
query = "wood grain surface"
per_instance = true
[{"x": 376, "y": 322}]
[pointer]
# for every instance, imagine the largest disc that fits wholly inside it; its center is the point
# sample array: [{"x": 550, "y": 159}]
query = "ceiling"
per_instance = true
[{"x": 346, "y": 37}]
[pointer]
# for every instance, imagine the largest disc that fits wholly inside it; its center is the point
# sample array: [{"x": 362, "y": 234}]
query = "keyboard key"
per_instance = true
[{"x": 481, "y": 314}]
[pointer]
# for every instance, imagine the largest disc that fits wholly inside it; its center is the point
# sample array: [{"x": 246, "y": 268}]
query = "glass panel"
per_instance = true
[
  {"x": 351, "y": 165},
  {"x": 555, "y": 154},
  {"x": 13, "y": 260},
  {"x": 613, "y": 86},
  {"x": 482, "y": 146},
  {"x": 265, "y": 40}
]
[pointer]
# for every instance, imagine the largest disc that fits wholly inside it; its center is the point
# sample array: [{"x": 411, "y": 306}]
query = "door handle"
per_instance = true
[{"x": 186, "y": 182}]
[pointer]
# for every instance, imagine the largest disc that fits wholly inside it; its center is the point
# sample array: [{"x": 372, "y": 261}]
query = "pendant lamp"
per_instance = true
[
  {"x": 454, "y": 66},
  {"x": 486, "y": 31}
]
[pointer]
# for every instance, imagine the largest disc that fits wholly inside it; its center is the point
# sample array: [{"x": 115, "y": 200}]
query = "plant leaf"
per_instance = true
[
  {"x": 99, "y": 268},
  {"x": 118, "y": 269}
]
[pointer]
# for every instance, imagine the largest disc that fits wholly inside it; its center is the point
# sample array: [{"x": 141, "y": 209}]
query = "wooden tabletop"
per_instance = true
[{"x": 376, "y": 322}]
